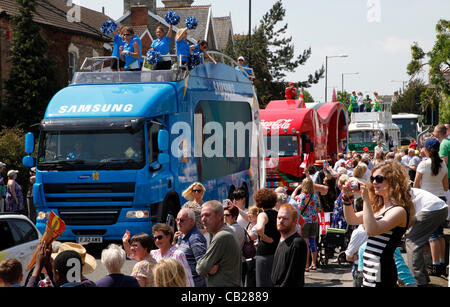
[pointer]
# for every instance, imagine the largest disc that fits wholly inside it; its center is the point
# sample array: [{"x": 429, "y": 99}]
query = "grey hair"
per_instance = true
[
  {"x": 215, "y": 205},
  {"x": 282, "y": 198},
  {"x": 113, "y": 258},
  {"x": 190, "y": 213}
]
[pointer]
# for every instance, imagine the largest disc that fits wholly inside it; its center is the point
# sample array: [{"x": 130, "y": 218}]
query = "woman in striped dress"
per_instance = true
[{"x": 386, "y": 215}]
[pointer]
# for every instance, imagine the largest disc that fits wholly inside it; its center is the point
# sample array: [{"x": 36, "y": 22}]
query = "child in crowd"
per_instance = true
[{"x": 11, "y": 273}]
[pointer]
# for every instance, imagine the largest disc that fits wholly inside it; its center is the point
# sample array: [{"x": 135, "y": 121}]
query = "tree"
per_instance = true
[
  {"x": 439, "y": 63},
  {"x": 271, "y": 55},
  {"x": 344, "y": 98},
  {"x": 32, "y": 80},
  {"x": 409, "y": 101}
]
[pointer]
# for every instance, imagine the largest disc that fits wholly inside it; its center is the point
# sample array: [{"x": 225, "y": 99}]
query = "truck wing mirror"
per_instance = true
[
  {"x": 29, "y": 143},
  {"x": 28, "y": 161},
  {"x": 163, "y": 140}
]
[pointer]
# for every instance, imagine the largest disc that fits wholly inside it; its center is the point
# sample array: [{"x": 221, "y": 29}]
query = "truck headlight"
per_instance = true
[{"x": 139, "y": 214}]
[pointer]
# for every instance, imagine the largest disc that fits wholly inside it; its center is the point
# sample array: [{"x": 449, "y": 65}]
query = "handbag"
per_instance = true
[
  {"x": 301, "y": 221},
  {"x": 249, "y": 249}
]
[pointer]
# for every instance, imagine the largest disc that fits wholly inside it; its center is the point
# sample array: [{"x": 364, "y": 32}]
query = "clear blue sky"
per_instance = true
[{"x": 376, "y": 34}]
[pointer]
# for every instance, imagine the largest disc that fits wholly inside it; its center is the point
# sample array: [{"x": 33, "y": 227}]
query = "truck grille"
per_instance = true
[{"x": 90, "y": 216}]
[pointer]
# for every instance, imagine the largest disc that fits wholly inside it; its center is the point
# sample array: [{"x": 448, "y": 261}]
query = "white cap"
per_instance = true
[
  {"x": 2, "y": 164},
  {"x": 12, "y": 172},
  {"x": 241, "y": 58}
]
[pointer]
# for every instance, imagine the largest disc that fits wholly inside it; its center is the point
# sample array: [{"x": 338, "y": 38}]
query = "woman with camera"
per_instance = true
[{"x": 387, "y": 213}]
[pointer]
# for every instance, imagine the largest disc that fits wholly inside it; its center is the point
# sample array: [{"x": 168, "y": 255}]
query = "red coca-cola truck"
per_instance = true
[{"x": 297, "y": 137}]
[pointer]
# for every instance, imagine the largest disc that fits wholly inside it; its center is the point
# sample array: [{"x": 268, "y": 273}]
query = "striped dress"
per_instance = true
[{"x": 379, "y": 265}]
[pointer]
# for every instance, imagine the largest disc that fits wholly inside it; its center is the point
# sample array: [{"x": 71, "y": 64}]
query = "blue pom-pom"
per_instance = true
[
  {"x": 108, "y": 27},
  {"x": 152, "y": 56},
  {"x": 195, "y": 59},
  {"x": 172, "y": 18},
  {"x": 191, "y": 23}
]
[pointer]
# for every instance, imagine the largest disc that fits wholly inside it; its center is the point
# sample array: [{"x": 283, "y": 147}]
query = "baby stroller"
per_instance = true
[{"x": 333, "y": 241}]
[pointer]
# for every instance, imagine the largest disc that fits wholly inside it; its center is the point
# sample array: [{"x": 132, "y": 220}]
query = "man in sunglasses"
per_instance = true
[{"x": 191, "y": 242}]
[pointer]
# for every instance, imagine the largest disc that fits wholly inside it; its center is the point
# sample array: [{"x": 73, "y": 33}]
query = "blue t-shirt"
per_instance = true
[
  {"x": 162, "y": 45},
  {"x": 246, "y": 69},
  {"x": 184, "y": 50},
  {"x": 117, "y": 43},
  {"x": 131, "y": 62}
]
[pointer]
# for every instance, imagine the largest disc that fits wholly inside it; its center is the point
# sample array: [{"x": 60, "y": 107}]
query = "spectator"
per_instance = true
[
  {"x": 2, "y": 187},
  {"x": 308, "y": 205},
  {"x": 269, "y": 236},
  {"x": 67, "y": 269},
  {"x": 191, "y": 242},
  {"x": 11, "y": 272},
  {"x": 412, "y": 164},
  {"x": 290, "y": 256},
  {"x": 231, "y": 214},
  {"x": 183, "y": 48},
  {"x": 431, "y": 212},
  {"x": 327, "y": 193},
  {"x": 164, "y": 235},
  {"x": 113, "y": 258},
  {"x": 138, "y": 249},
  {"x": 282, "y": 198},
  {"x": 368, "y": 103},
  {"x": 378, "y": 149},
  {"x": 131, "y": 51},
  {"x": 339, "y": 162},
  {"x": 14, "y": 195},
  {"x": 222, "y": 261},
  {"x": 412, "y": 144},
  {"x": 386, "y": 195},
  {"x": 202, "y": 47},
  {"x": 194, "y": 195},
  {"x": 338, "y": 218},
  {"x": 30, "y": 203},
  {"x": 392, "y": 144},
  {"x": 162, "y": 45},
  {"x": 169, "y": 272},
  {"x": 238, "y": 197},
  {"x": 251, "y": 230},
  {"x": 357, "y": 238},
  {"x": 440, "y": 132}
]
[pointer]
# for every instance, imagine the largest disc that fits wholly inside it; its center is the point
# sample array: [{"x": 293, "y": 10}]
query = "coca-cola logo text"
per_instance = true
[{"x": 279, "y": 124}]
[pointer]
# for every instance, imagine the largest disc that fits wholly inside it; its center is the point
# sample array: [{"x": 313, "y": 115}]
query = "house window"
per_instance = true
[{"x": 72, "y": 64}]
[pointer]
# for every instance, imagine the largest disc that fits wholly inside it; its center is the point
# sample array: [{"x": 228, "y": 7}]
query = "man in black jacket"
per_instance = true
[{"x": 290, "y": 257}]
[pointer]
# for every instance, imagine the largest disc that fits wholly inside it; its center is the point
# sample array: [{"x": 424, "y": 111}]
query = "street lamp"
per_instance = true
[
  {"x": 403, "y": 82},
  {"x": 326, "y": 69},
  {"x": 347, "y": 73}
]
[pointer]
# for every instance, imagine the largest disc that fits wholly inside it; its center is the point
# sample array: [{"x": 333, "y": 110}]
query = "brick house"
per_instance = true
[
  {"x": 145, "y": 17},
  {"x": 71, "y": 41}
]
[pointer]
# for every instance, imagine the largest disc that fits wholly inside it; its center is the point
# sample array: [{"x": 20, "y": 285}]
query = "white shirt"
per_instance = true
[
  {"x": 359, "y": 236},
  {"x": 430, "y": 183},
  {"x": 414, "y": 161},
  {"x": 378, "y": 149},
  {"x": 425, "y": 201},
  {"x": 338, "y": 164},
  {"x": 405, "y": 160}
]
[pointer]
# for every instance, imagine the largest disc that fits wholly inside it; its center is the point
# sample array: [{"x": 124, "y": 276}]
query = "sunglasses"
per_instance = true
[
  {"x": 227, "y": 214},
  {"x": 180, "y": 220},
  {"x": 197, "y": 191},
  {"x": 127, "y": 34},
  {"x": 378, "y": 178},
  {"x": 160, "y": 237}
]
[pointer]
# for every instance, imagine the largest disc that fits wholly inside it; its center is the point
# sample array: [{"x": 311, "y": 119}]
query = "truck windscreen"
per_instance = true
[
  {"x": 91, "y": 150},
  {"x": 287, "y": 145}
]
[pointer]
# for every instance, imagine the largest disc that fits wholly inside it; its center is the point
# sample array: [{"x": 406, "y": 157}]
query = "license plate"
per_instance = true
[{"x": 89, "y": 240}]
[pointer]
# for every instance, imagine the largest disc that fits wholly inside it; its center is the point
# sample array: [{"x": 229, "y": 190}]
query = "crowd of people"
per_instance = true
[{"x": 399, "y": 195}]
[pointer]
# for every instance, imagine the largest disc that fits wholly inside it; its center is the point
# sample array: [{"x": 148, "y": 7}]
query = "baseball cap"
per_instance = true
[
  {"x": 432, "y": 143},
  {"x": 11, "y": 172},
  {"x": 2, "y": 164},
  {"x": 241, "y": 58}
]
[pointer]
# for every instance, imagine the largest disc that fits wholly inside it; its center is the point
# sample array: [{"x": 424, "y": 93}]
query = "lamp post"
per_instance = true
[
  {"x": 326, "y": 70},
  {"x": 347, "y": 73}
]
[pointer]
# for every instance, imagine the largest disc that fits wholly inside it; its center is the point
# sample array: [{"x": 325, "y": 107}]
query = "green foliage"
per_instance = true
[
  {"x": 271, "y": 55},
  {"x": 307, "y": 96},
  {"x": 12, "y": 151},
  {"x": 444, "y": 111},
  {"x": 410, "y": 100},
  {"x": 344, "y": 98},
  {"x": 32, "y": 79}
]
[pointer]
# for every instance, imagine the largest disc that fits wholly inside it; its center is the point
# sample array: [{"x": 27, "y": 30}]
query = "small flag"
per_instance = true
[{"x": 324, "y": 222}]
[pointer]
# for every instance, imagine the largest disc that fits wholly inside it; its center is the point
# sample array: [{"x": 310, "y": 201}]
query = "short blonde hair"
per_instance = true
[
  {"x": 187, "y": 194},
  {"x": 169, "y": 272},
  {"x": 254, "y": 210},
  {"x": 360, "y": 170}
]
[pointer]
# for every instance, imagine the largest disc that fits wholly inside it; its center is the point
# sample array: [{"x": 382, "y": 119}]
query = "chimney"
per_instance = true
[
  {"x": 127, "y": 4},
  {"x": 177, "y": 3},
  {"x": 139, "y": 15}
]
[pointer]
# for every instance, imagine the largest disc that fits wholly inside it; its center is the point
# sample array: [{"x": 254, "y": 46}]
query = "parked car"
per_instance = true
[{"x": 18, "y": 239}]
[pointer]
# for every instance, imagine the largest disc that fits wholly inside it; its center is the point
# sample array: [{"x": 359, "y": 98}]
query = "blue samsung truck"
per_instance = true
[{"x": 116, "y": 149}]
